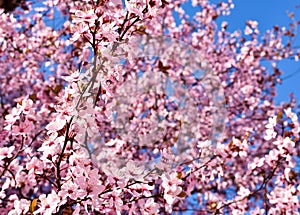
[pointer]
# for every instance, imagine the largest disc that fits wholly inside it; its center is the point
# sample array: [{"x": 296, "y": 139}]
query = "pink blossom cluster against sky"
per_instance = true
[
  {"x": 101, "y": 132},
  {"x": 268, "y": 13}
]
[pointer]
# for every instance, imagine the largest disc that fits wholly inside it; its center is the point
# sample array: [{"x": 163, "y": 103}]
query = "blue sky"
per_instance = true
[{"x": 268, "y": 13}]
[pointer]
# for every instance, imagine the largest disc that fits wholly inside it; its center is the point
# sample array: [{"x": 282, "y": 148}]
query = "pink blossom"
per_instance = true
[
  {"x": 24, "y": 128},
  {"x": 243, "y": 191},
  {"x": 258, "y": 162},
  {"x": 6, "y": 152},
  {"x": 171, "y": 183},
  {"x": 150, "y": 207},
  {"x": 88, "y": 16},
  {"x": 49, "y": 203},
  {"x": 132, "y": 8},
  {"x": 20, "y": 207},
  {"x": 90, "y": 124},
  {"x": 56, "y": 125},
  {"x": 11, "y": 118}
]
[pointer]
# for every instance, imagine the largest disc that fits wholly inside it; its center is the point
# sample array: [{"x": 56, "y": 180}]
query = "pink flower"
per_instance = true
[
  {"x": 291, "y": 115},
  {"x": 70, "y": 189},
  {"x": 20, "y": 207},
  {"x": 52, "y": 145},
  {"x": 272, "y": 122},
  {"x": 6, "y": 152},
  {"x": 252, "y": 23},
  {"x": 74, "y": 77},
  {"x": 88, "y": 17},
  {"x": 49, "y": 203},
  {"x": 26, "y": 105},
  {"x": 258, "y": 162},
  {"x": 13, "y": 117},
  {"x": 257, "y": 211},
  {"x": 248, "y": 30},
  {"x": 132, "y": 8},
  {"x": 56, "y": 125},
  {"x": 35, "y": 165},
  {"x": 171, "y": 183},
  {"x": 243, "y": 191},
  {"x": 270, "y": 134},
  {"x": 24, "y": 128},
  {"x": 150, "y": 207}
]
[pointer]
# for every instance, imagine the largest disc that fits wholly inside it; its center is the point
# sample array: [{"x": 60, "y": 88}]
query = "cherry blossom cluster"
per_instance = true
[{"x": 118, "y": 107}]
